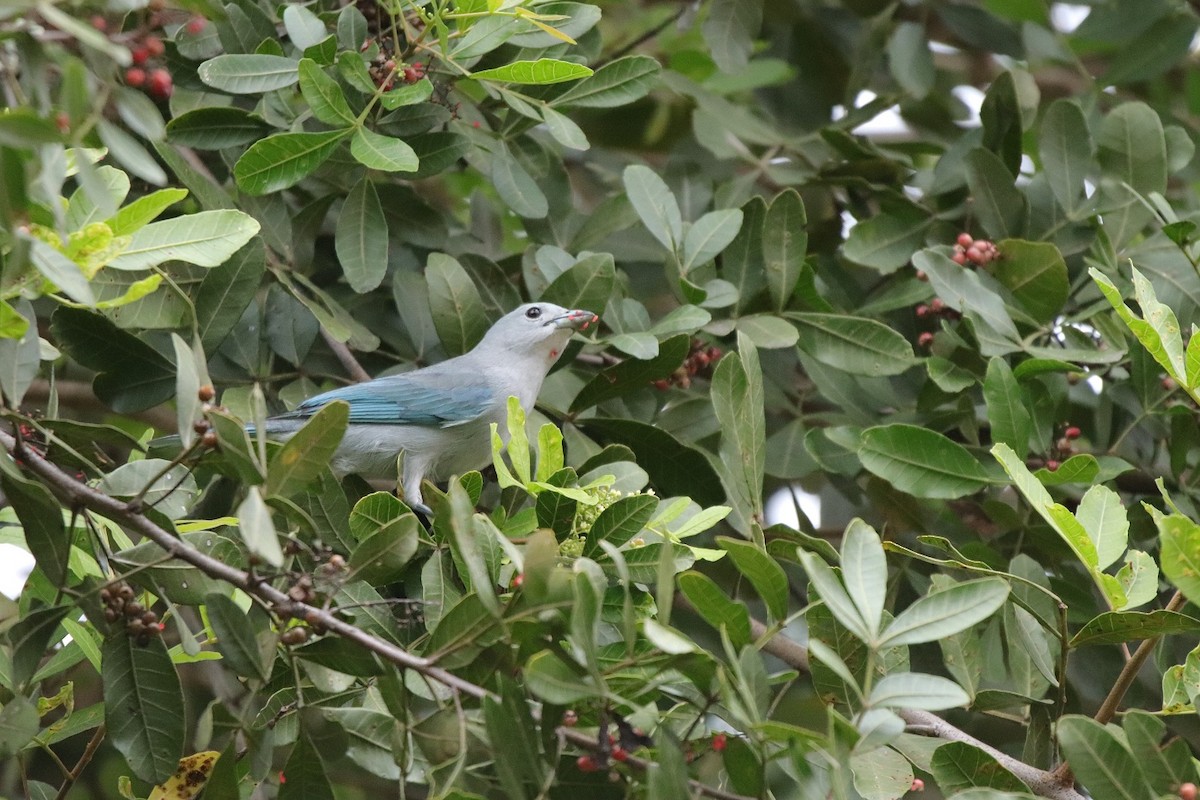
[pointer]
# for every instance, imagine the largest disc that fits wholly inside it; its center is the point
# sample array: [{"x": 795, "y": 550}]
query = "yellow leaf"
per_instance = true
[{"x": 189, "y": 778}]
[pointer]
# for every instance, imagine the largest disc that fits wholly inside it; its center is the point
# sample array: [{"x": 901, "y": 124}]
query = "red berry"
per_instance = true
[
  {"x": 196, "y": 24},
  {"x": 662, "y": 385},
  {"x": 1187, "y": 791},
  {"x": 925, "y": 339},
  {"x": 586, "y": 764},
  {"x": 937, "y": 305},
  {"x": 918, "y": 785},
  {"x": 1169, "y": 384},
  {"x": 922, "y": 310},
  {"x": 62, "y": 121},
  {"x": 619, "y": 753},
  {"x": 921, "y": 276},
  {"x": 140, "y": 55},
  {"x": 282, "y": 777},
  {"x": 135, "y": 76},
  {"x": 160, "y": 83},
  {"x": 517, "y": 580},
  {"x": 99, "y": 23},
  {"x": 1052, "y": 465},
  {"x": 959, "y": 258},
  {"x": 719, "y": 740},
  {"x": 982, "y": 244},
  {"x": 974, "y": 254},
  {"x": 964, "y": 240},
  {"x": 1072, "y": 432},
  {"x": 154, "y": 46}
]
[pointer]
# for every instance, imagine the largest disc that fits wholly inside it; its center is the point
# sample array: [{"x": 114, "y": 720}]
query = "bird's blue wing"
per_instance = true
[{"x": 401, "y": 401}]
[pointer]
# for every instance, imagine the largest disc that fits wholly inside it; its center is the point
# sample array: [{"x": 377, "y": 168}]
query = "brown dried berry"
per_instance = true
[{"x": 206, "y": 393}]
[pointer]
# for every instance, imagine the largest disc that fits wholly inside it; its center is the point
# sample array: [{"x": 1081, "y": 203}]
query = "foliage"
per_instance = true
[{"x": 975, "y": 340}]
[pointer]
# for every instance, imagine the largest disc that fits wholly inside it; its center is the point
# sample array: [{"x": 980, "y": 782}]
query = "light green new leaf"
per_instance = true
[
  {"x": 1138, "y": 578},
  {"x": 946, "y": 612},
  {"x": 206, "y": 239},
  {"x": 541, "y": 72},
  {"x": 1107, "y": 525},
  {"x": 1180, "y": 556},
  {"x": 1191, "y": 359},
  {"x": 1159, "y": 330},
  {"x": 763, "y": 572}
]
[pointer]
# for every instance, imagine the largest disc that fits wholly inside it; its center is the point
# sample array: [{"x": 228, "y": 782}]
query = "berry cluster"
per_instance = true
[
  {"x": 208, "y": 437},
  {"x": 699, "y": 364},
  {"x": 120, "y": 604},
  {"x": 1063, "y": 449},
  {"x": 384, "y": 69},
  {"x": 979, "y": 252},
  {"x": 934, "y": 309},
  {"x": 145, "y": 48}
]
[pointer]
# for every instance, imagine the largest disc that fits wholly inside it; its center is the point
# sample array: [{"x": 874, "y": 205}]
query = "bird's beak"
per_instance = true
[{"x": 576, "y": 318}]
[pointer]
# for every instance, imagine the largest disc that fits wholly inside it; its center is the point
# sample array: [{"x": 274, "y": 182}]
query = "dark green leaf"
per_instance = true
[
  {"x": 236, "y": 637},
  {"x": 615, "y": 84},
  {"x": 784, "y": 245},
  {"x": 620, "y": 522},
  {"x": 1115, "y": 627},
  {"x": 361, "y": 239},
  {"x": 764, "y": 574},
  {"x": 143, "y": 701},
  {"x": 633, "y": 373},
  {"x": 857, "y": 345},
  {"x": 1000, "y": 205},
  {"x": 921, "y": 462},
  {"x": 216, "y": 128},
  {"x": 284, "y": 159},
  {"x": 240, "y": 73},
  {"x": 458, "y": 312},
  {"x": 958, "y": 766},
  {"x": 133, "y": 376},
  {"x": 1099, "y": 760}
]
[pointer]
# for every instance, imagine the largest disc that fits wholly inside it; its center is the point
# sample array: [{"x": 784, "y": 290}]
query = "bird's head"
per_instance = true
[{"x": 536, "y": 329}]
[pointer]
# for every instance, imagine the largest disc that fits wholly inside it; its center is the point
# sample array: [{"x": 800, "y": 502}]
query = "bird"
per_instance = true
[{"x": 440, "y": 416}]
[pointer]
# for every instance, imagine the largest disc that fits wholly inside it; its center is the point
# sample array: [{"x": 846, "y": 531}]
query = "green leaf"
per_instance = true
[
  {"x": 516, "y": 186},
  {"x": 958, "y": 765},
  {"x": 60, "y": 271},
  {"x": 675, "y": 468},
  {"x": 216, "y": 128},
  {"x": 1001, "y": 207},
  {"x": 239, "y": 73},
  {"x": 1100, "y": 762},
  {"x": 19, "y": 723},
  {"x": 620, "y": 522},
  {"x": 864, "y": 572},
  {"x": 1159, "y": 330},
  {"x": 1115, "y": 627},
  {"x": 617, "y": 83},
  {"x": 133, "y": 376},
  {"x": 206, "y": 239},
  {"x": 307, "y": 452},
  {"x": 143, "y": 701},
  {"x": 236, "y": 637},
  {"x": 554, "y": 682},
  {"x": 1132, "y": 147},
  {"x": 1066, "y": 147},
  {"x": 513, "y": 737},
  {"x": 387, "y": 153},
  {"x": 633, "y": 373},
  {"x": 323, "y": 94},
  {"x": 257, "y": 529},
  {"x": 588, "y": 284},
  {"x": 917, "y": 690},
  {"x": 1138, "y": 578},
  {"x": 784, "y": 245},
  {"x": 833, "y": 594},
  {"x": 910, "y": 60},
  {"x": 42, "y": 520},
  {"x": 458, "y": 313},
  {"x": 711, "y": 602},
  {"x": 1155, "y": 50},
  {"x": 708, "y": 236},
  {"x": 1036, "y": 275},
  {"x": 284, "y": 159},
  {"x": 361, "y": 238},
  {"x": 655, "y": 205},
  {"x": 730, "y": 30},
  {"x": 921, "y": 462},
  {"x": 1010, "y": 420},
  {"x": 1180, "y": 556},
  {"x": 30, "y": 638},
  {"x": 407, "y": 95},
  {"x": 382, "y": 556},
  {"x": 946, "y": 612},
  {"x": 737, "y": 397},
  {"x": 226, "y": 291},
  {"x": 540, "y": 72},
  {"x": 886, "y": 241},
  {"x": 564, "y": 129},
  {"x": 305, "y": 773},
  {"x": 857, "y": 345},
  {"x": 764, "y": 574},
  {"x": 145, "y": 209},
  {"x": 1103, "y": 517},
  {"x": 304, "y": 28}
]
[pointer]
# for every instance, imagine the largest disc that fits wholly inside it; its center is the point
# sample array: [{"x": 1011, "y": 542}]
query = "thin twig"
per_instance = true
[
  {"x": 1042, "y": 782},
  {"x": 73, "y": 493},
  {"x": 89, "y": 751},
  {"x": 349, "y": 362}
]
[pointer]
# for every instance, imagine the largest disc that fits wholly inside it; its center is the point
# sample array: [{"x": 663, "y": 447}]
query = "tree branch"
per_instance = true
[
  {"x": 79, "y": 495},
  {"x": 347, "y": 359},
  {"x": 1042, "y": 782}
]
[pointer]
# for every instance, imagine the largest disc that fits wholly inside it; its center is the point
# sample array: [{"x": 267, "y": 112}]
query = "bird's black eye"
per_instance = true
[{"x": 533, "y": 313}]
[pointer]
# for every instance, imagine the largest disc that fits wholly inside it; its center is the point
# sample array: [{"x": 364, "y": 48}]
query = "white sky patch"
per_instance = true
[
  {"x": 1065, "y": 17},
  {"x": 972, "y": 98},
  {"x": 15, "y": 566},
  {"x": 782, "y": 508}
]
